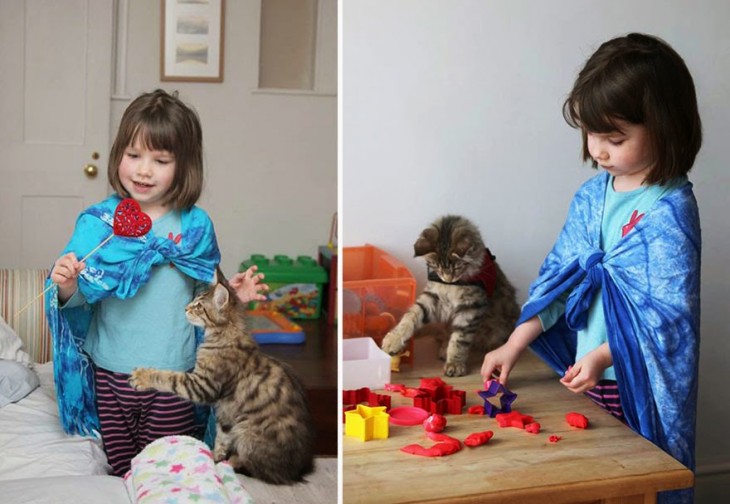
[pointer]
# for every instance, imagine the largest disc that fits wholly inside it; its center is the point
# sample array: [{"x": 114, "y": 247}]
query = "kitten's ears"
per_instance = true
[
  {"x": 462, "y": 247},
  {"x": 426, "y": 243},
  {"x": 220, "y": 296}
]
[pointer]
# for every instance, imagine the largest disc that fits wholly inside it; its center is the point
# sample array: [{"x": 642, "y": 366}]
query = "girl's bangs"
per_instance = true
[
  {"x": 152, "y": 136},
  {"x": 592, "y": 112}
]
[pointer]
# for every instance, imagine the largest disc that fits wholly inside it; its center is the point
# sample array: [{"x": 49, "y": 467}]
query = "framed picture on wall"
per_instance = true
[{"x": 192, "y": 40}]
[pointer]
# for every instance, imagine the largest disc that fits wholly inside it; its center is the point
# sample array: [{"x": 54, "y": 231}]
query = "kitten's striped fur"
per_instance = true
[
  {"x": 453, "y": 249},
  {"x": 263, "y": 423}
]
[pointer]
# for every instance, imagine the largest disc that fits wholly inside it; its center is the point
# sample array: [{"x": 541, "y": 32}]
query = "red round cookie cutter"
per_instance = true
[{"x": 408, "y": 415}]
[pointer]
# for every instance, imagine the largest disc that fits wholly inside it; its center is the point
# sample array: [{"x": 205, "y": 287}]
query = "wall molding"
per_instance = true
[
  {"x": 121, "y": 31},
  {"x": 713, "y": 468}
]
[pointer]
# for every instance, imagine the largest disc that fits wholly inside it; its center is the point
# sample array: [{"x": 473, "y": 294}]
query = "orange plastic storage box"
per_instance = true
[{"x": 377, "y": 290}]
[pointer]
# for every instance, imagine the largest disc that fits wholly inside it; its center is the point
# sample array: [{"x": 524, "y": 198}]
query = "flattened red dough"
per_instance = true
[{"x": 446, "y": 446}]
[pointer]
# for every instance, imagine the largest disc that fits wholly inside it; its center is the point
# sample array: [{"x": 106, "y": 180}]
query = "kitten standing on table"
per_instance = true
[{"x": 466, "y": 290}]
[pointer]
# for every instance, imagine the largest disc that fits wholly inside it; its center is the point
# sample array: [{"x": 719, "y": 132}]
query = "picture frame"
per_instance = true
[{"x": 192, "y": 41}]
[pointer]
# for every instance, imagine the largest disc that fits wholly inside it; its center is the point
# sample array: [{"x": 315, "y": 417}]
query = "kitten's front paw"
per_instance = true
[
  {"x": 394, "y": 342},
  {"x": 454, "y": 369},
  {"x": 141, "y": 379}
]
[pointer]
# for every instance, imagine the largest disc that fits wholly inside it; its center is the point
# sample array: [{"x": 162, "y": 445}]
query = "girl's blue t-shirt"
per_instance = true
[
  {"x": 149, "y": 329},
  {"x": 621, "y": 212}
]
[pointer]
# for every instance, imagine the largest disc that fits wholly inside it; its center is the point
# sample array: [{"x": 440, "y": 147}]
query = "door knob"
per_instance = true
[{"x": 91, "y": 170}]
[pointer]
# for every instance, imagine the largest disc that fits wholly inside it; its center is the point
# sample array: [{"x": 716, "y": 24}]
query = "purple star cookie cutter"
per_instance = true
[{"x": 491, "y": 389}]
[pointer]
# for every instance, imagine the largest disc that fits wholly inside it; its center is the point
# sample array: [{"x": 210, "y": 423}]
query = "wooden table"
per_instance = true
[
  {"x": 606, "y": 463},
  {"x": 315, "y": 362}
]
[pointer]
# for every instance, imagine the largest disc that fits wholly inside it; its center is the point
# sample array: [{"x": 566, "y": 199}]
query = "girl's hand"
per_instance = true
[
  {"x": 504, "y": 358},
  {"x": 501, "y": 359},
  {"x": 248, "y": 285},
  {"x": 586, "y": 373},
  {"x": 65, "y": 274}
]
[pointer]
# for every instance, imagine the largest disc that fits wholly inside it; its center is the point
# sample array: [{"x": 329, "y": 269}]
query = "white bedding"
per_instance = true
[
  {"x": 39, "y": 463},
  {"x": 33, "y": 444}
]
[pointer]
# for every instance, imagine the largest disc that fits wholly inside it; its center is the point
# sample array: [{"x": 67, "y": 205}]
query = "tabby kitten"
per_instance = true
[
  {"x": 466, "y": 292},
  {"x": 263, "y": 423}
]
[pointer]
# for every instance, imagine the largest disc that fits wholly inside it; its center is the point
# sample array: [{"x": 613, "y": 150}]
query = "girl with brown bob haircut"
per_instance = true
[
  {"x": 615, "y": 308},
  {"x": 640, "y": 79},
  {"x": 162, "y": 122}
]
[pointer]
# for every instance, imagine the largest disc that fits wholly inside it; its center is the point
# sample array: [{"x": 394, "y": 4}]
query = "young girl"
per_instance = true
[
  {"x": 124, "y": 306},
  {"x": 615, "y": 308}
]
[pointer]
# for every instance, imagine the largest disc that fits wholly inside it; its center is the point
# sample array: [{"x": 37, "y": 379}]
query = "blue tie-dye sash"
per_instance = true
[
  {"x": 650, "y": 283},
  {"x": 118, "y": 269}
]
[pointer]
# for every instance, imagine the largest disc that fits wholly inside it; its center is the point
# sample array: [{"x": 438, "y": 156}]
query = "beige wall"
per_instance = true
[{"x": 271, "y": 158}]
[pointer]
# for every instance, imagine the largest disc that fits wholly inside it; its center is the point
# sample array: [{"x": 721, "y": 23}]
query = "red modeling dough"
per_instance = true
[
  {"x": 532, "y": 428},
  {"x": 554, "y": 438},
  {"x": 478, "y": 438},
  {"x": 446, "y": 446},
  {"x": 576, "y": 420},
  {"x": 475, "y": 410},
  {"x": 513, "y": 419},
  {"x": 434, "y": 423}
]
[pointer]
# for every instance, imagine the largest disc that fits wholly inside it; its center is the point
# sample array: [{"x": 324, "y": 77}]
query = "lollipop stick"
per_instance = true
[
  {"x": 97, "y": 247},
  {"x": 15, "y": 317}
]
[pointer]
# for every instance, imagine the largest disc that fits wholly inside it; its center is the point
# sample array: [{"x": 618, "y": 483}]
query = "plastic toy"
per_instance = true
[
  {"x": 514, "y": 419},
  {"x": 364, "y": 364},
  {"x": 408, "y": 415},
  {"x": 491, "y": 389},
  {"x": 577, "y": 420},
  {"x": 452, "y": 402},
  {"x": 395, "y": 361},
  {"x": 351, "y": 398},
  {"x": 478, "y": 438},
  {"x": 435, "y": 423},
  {"x": 365, "y": 395},
  {"x": 446, "y": 446},
  {"x": 296, "y": 285},
  {"x": 366, "y": 423},
  {"x": 436, "y": 396},
  {"x": 270, "y": 327}
]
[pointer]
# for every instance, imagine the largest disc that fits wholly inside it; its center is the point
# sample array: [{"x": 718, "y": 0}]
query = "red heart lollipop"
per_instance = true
[{"x": 130, "y": 220}]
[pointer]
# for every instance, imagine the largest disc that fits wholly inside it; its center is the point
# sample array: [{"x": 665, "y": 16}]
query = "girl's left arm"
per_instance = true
[{"x": 585, "y": 374}]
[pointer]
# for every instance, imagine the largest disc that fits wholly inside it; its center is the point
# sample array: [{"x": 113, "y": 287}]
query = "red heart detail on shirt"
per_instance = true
[{"x": 130, "y": 220}]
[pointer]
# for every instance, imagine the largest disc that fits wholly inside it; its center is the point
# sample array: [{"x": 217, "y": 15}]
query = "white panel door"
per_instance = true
[{"x": 55, "y": 88}]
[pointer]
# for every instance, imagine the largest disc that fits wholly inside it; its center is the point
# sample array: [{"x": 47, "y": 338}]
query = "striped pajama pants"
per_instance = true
[
  {"x": 605, "y": 394},
  {"x": 130, "y": 420}
]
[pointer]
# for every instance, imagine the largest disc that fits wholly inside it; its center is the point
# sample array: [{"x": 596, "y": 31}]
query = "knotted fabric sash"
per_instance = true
[
  {"x": 650, "y": 283},
  {"x": 118, "y": 269}
]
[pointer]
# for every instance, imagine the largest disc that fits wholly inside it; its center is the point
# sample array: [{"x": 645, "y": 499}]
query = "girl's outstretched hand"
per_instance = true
[
  {"x": 248, "y": 285},
  {"x": 65, "y": 274},
  {"x": 586, "y": 373}
]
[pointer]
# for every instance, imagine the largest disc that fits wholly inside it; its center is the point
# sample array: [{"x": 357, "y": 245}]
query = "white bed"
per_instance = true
[{"x": 39, "y": 463}]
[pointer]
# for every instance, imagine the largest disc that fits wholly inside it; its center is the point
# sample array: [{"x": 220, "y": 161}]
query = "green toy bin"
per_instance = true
[{"x": 295, "y": 285}]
